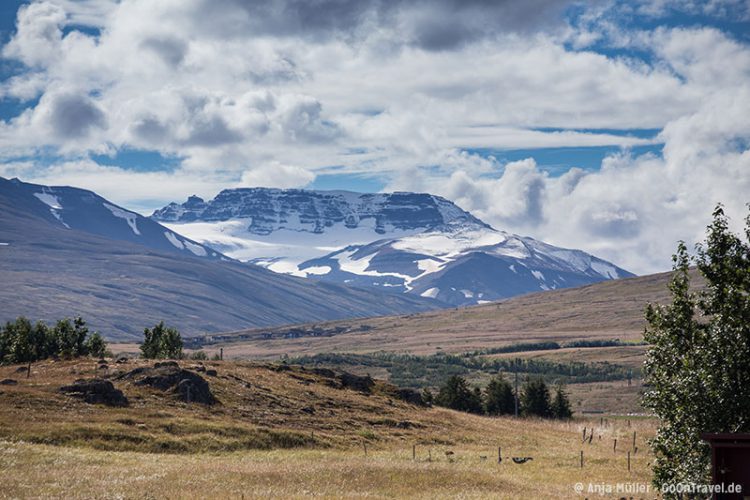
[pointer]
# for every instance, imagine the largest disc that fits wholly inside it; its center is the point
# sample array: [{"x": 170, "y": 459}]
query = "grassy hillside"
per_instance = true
[
  {"x": 607, "y": 310},
  {"x": 599, "y": 312},
  {"x": 285, "y": 432}
]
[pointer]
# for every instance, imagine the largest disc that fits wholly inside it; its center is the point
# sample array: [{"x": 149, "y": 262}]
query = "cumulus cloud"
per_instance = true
[
  {"x": 277, "y": 175},
  {"x": 274, "y": 93},
  {"x": 71, "y": 116}
]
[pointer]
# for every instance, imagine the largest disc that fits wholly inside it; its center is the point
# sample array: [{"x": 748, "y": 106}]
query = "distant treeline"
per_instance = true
[
  {"x": 550, "y": 346},
  {"x": 499, "y": 398},
  {"x": 23, "y": 342},
  {"x": 415, "y": 371}
]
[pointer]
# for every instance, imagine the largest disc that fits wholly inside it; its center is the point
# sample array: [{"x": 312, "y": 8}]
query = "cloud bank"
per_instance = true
[{"x": 420, "y": 95}]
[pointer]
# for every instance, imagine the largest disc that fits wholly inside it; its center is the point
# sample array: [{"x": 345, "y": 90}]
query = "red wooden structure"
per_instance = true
[{"x": 730, "y": 461}]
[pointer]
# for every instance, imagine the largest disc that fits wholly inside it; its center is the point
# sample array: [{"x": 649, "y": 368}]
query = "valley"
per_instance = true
[{"x": 285, "y": 432}]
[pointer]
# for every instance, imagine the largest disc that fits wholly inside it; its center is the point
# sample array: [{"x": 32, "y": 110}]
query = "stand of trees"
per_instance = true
[
  {"x": 499, "y": 398},
  {"x": 697, "y": 365},
  {"x": 161, "y": 342},
  {"x": 24, "y": 342}
]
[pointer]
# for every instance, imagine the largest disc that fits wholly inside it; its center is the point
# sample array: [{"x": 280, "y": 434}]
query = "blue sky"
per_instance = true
[{"x": 593, "y": 125}]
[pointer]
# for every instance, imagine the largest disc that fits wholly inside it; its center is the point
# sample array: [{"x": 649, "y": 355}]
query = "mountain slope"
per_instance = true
[
  {"x": 607, "y": 310},
  {"x": 49, "y": 271},
  {"x": 83, "y": 210},
  {"x": 280, "y": 228},
  {"x": 462, "y": 266},
  {"x": 412, "y": 243}
]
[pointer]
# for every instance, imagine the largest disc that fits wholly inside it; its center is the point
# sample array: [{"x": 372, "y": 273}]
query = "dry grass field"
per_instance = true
[
  {"x": 286, "y": 433},
  {"x": 607, "y": 310}
]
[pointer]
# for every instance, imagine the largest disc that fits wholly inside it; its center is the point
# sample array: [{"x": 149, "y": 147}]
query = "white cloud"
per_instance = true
[
  {"x": 248, "y": 96},
  {"x": 277, "y": 175}
]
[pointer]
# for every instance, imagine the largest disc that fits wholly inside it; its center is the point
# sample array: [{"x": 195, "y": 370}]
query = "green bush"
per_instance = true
[{"x": 161, "y": 342}]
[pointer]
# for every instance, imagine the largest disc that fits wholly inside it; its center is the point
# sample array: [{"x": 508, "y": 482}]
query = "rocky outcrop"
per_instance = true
[
  {"x": 169, "y": 377},
  {"x": 268, "y": 210},
  {"x": 96, "y": 391}
]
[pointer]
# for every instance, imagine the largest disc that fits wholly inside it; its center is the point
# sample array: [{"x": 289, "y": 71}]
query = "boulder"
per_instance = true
[
  {"x": 362, "y": 384},
  {"x": 168, "y": 376},
  {"x": 8, "y": 381},
  {"x": 96, "y": 391},
  {"x": 410, "y": 396}
]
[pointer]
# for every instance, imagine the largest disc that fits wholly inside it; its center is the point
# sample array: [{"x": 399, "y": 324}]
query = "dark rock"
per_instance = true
[
  {"x": 162, "y": 364},
  {"x": 168, "y": 376},
  {"x": 211, "y": 373},
  {"x": 96, "y": 391},
  {"x": 324, "y": 372},
  {"x": 104, "y": 367},
  {"x": 195, "y": 390},
  {"x": 308, "y": 409},
  {"x": 199, "y": 368},
  {"x": 8, "y": 381},
  {"x": 22, "y": 369},
  {"x": 351, "y": 381},
  {"x": 410, "y": 396},
  {"x": 122, "y": 360}
]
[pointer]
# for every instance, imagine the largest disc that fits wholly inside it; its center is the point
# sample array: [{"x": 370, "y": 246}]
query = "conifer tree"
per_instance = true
[{"x": 499, "y": 398}]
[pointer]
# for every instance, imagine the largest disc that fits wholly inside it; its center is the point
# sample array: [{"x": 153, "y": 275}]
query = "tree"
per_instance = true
[
  {"x": 457, "y": 395},
  {"x": 697, "y": 362},
  {"x": 21, "y": 342},
  {"x": 161, "y": 342},
  {"x": 21, "y": 349},
  {"x": 499, "y": 398},
  {"x": 561, "y": 404},
  {"x": 171, "y": 344},
  {"x": 95, "y": 346},
  {"x": 71, "y": 337},
  {"x": 535, "y": 400}
]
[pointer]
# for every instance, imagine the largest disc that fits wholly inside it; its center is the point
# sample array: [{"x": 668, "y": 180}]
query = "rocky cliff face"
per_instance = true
[{"x": 269, "y": 210}]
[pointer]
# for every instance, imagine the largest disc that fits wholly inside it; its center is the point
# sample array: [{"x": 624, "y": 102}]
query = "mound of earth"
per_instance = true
[
  {"x": 96, "y": 391},
  {"x": 168, "y": 376}
]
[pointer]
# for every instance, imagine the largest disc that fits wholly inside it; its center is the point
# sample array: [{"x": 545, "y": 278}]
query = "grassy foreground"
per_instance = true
[{"x": 256, "y": 443}]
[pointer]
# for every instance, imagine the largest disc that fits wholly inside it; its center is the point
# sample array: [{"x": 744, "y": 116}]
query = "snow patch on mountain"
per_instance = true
[
  {"x": 463, "y": 265},
  {"x": 174, "y": 240},
  {"x": 129, "y": 217},
  {"x": 49, "y": 200}
]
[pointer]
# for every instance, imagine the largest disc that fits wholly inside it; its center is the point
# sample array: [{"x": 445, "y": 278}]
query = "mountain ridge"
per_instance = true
[
  {"x": 50, "y": 271},
  {"x": 414, "y": 243}
]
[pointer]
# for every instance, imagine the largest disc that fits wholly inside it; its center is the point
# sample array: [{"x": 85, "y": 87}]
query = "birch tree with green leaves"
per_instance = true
[{"x": 697, "y": 369}]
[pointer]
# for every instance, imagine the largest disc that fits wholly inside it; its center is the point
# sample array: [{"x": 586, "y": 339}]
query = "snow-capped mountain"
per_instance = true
[
  {"x": 66, "y": 252},
  {"x": 281, "y": 228},
  {"x": 462, "y": 265},
  {"x": 83, "y": 210},
  {"x": 411, "y": 243}
]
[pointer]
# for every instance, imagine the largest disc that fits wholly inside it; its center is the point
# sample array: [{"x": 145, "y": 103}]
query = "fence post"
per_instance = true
[
  {"x": 634, "y": 440},
  {"x": 614, "y": 448},
  {"x": 364, "y": 445},
  {"x": 499, "y": 456},
  {"x": 581, "y": 459},
  {"x": 414, "y": 452},
  {"x": 628, "y": 461}
]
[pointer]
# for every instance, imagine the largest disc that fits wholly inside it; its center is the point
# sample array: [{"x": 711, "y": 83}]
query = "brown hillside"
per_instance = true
[{"x": 607, "y": 310}]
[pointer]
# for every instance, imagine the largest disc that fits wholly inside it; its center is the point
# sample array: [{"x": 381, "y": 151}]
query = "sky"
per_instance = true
[{"x": 610, "y": 126}]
